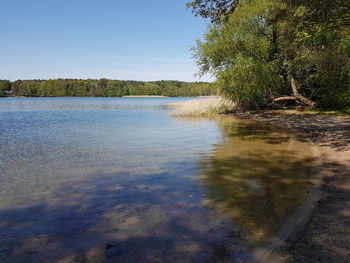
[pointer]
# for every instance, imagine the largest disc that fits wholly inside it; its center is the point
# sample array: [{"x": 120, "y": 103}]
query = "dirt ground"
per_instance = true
[{"x": 326, "y": 237}]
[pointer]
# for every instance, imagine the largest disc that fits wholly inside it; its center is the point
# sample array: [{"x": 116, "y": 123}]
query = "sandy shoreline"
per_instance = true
[{"x": 326, "y": 236}]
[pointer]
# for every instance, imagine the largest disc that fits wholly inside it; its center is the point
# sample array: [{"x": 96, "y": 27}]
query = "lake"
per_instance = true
[{"x": 80, "y": 173}]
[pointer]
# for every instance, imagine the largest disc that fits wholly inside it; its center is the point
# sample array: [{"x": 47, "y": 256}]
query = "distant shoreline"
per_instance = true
[
  {"x": 144, "y": 96},
  {"x": 126, "y": 96},
  {"x": 103, "y": 88}
]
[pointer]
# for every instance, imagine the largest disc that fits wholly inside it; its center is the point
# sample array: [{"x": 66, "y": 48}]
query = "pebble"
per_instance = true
[{"x": 111, "y": 250}]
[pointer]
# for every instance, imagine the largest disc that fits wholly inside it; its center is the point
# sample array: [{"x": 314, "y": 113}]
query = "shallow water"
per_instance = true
[{"x": 77, "y": 173}]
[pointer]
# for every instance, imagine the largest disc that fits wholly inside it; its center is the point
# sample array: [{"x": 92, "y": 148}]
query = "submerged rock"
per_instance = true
[{"x": 111, "y": 250}]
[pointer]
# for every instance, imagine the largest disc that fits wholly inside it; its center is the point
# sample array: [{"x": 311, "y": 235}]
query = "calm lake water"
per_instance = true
[{"x": 78, "y": 173}]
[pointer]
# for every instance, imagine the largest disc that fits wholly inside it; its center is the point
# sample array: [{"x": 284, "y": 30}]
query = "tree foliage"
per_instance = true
[
  {"x": 264, "y": 51},
  {"x": 104, "y": 88},
  {"x": 5, "y": 86},
  {"x": 216, "y": 10}
]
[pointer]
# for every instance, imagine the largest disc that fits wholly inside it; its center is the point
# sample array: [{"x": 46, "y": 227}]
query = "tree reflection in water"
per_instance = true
[{"x": 258, "y": 175}]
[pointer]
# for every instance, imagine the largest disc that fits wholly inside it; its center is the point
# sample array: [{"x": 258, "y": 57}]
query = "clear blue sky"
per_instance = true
[{"x": 117, "y": 39}]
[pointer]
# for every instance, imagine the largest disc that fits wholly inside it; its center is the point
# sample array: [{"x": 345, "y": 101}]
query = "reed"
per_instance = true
[{"x": 207, "y": 106}]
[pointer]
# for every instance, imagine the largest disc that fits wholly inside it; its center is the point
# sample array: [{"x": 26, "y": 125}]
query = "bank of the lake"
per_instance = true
[{"x": 326, "y": 236}]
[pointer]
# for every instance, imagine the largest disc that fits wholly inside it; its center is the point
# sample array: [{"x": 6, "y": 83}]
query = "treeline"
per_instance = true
[
  {"x": 102, "y": 88},
  {"x": 266, "y": 52}
]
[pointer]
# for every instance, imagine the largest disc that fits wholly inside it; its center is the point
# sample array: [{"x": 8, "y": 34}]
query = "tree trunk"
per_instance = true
[
  {"x": 296, "y": 96},
  {"x": 294, "y": 86}
]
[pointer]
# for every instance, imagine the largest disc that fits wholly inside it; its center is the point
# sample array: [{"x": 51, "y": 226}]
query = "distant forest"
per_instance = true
[{"x": 103, "y": 88}]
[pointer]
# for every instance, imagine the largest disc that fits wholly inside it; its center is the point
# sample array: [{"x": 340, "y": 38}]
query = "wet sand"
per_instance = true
[{"x": 326, "y": 236}]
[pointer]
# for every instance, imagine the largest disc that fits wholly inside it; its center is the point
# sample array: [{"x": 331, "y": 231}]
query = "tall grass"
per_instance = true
[{"x": 207, "y": 106}]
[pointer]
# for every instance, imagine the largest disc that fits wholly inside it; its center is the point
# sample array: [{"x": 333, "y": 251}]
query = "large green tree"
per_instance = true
[{"x": 265, "y": 51}]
